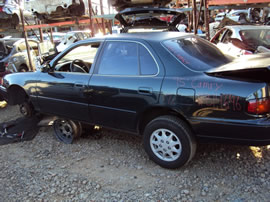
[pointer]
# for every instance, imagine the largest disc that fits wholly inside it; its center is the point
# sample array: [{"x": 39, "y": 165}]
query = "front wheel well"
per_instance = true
[
  {"x": 16, "y": 95},
  {"x": 23, "y": 68},
  {"x": 155, "y": 112}
]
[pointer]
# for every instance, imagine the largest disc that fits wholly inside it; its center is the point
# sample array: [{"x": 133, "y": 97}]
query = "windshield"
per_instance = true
[
  {"x": 196, "y": 53},
  {"x": 256, "y": 37}
]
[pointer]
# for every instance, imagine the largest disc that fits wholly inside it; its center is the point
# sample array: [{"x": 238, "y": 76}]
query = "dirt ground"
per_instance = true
[{"x": 112, "y": 166}]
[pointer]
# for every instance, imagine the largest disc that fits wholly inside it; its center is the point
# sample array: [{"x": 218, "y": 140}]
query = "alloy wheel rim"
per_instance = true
[{"x": 165, "y": 145}]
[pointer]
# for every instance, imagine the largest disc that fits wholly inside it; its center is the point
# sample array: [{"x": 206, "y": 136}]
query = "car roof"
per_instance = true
[{"x": 148, "y": 36}]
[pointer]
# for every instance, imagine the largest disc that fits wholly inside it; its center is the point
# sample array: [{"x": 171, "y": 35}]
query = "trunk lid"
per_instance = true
[
  {"x": 249, "y": 68},
  {"x": 150, "y": 17}
]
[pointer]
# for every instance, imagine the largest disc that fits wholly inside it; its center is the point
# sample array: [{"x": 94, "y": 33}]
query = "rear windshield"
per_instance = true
[
  {"x": 256, "y": 37},
  {"x": 196, "y": 53}
]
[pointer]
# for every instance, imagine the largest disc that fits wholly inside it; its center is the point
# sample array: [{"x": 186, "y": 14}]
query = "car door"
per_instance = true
[
  {"x": 224, "y": 43},
  {"x": 63, "y": 92},
  {"x": 126, "y": 82}
]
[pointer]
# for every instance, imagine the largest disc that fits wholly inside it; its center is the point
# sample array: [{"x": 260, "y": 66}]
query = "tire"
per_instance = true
[
  {"x": 67, "y": 131},
  {"x": 169, "y": 153},
  {"x": 27, "y": 110},
  {"x": 15, "y": 20},
  {"x": 23, "y": 68}
]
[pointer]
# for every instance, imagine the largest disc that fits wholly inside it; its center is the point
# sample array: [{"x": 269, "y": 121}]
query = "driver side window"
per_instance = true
[{"x": 78, "y": 59}]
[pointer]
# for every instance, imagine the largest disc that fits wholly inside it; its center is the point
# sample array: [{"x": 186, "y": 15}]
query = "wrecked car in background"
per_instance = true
[
  {"x": 72, "y": 37},
  {"x": 9, "y": 12},
  {"x": 57, "y": 11},
  {"x": 240, "y": 40},
  {"x": 14, "y": 57},
  {"x": 57, "y": 37},
  {"x": 163, "y": 86}
]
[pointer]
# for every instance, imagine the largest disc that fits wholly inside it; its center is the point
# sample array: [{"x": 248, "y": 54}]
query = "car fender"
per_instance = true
[{"x": 25, "y": 80}]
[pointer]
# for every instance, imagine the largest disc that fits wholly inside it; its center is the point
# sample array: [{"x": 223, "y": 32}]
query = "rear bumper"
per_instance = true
[{"x": 249, "y": 132}]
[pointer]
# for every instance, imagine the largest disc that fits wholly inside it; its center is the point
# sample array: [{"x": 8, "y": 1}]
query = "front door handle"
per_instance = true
[
  {"x": 78, "y": 85},
  {"x": 145, "y": 90}
]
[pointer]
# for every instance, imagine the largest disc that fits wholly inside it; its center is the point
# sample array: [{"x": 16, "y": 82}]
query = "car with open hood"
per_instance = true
[
  {"x": 149, "y": 19},
  {"x": 174, "y": 89}
]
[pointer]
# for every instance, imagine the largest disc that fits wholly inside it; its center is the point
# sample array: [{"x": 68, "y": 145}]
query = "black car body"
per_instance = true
[{"x": 172, "y": 88}]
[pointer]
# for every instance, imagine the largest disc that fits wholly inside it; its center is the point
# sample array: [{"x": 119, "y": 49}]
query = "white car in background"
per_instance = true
[
  {"x": 220, "y": 16},
  {"x": 236, "y": 14},
  {"x": 10, "y": 13},
  {"x": 233, "y": 15},
  {"x": 237, "y": 40},
  {"x": 72, "y": 37}
]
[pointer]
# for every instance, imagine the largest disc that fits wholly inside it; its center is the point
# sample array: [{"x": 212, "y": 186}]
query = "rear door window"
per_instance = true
[
  {"x": 126, "y": 58},
  {"x": 119, "y": 58}
]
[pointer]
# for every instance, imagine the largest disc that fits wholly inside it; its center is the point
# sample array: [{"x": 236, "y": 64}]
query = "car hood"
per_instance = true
[
  {"x": 251, "y": 68},
  {"x": 150, "y": 17}
]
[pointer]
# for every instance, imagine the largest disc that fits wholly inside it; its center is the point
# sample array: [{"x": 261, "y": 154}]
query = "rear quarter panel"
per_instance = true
[{"x": 209, "y": 104}]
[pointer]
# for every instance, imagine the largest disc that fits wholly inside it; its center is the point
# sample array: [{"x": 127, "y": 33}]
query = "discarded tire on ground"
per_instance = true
[
  {"x": 27, "y": 109},
  {"x": 67, "y": 131}
]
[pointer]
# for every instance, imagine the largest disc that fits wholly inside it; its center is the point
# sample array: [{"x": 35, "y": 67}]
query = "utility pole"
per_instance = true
[
  {"x": 189, "y": 17},
  {"x": 25, "y": 36},
  {"x": 194, "y": 9},
  {"x": 90, "y": 18},
  {"x": 206, "y": 19},
  {"x": 102, "y": 19}
]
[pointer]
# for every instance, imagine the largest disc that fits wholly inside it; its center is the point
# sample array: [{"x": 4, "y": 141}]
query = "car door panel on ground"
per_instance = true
[{"x": 126, "y": 81}]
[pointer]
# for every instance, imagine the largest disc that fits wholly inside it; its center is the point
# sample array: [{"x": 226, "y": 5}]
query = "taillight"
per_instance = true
[
  {"x": 259, "y": 106},
  {"x": 1, "y": 9},
  {"x": 246, "y": 52}
]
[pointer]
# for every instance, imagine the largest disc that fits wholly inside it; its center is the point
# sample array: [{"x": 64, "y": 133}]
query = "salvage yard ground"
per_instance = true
[{"x": 112, "y": 166}]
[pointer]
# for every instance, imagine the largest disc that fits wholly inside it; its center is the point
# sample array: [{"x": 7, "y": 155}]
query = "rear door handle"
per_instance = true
[{"x": 145, "y": 90}]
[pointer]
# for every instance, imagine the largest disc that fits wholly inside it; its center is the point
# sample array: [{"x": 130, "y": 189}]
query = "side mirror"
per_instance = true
[{"x": 46, "y": 68}]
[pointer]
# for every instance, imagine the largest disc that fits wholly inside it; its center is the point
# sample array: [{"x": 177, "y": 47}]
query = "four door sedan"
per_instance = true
[{"x": 174, "y": 89}]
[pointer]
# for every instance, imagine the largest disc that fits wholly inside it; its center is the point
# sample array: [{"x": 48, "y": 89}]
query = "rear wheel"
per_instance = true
[
  {"x": 169, "y": 142},
  {"x": 67, "y": 131},
  {"x": 15, "y": 20}
]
